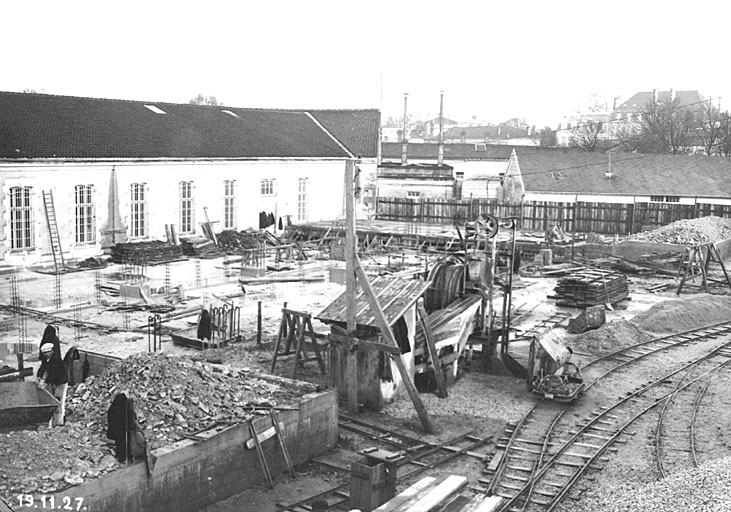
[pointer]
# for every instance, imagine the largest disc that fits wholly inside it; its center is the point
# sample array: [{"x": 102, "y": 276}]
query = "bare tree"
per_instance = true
[
  {"x": 547, "y": 137},
  {"x": 204, "y": 100},
  {"x": 710, "y": 129},
  {"x": 586, "y": 135},
  {"x": 724, "y": 140},
  {"x": 661, "y": 127}
]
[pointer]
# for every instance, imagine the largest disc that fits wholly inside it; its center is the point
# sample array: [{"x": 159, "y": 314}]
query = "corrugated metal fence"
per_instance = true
[{"x": 604, "y": 218}]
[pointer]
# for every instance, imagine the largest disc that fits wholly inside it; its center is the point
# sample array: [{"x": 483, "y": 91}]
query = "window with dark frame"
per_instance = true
[
  {"x": 138, "y": 202},
  {"x": 267, "y": 187},
  {"x": 84, "y": 214},
  {"x": 21, "y": 218},
  {"x": 186, "y": 207},
  {"x": 229, "y": 204}
]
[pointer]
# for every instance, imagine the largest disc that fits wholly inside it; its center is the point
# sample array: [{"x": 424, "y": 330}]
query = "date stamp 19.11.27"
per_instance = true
[{"x": 50, "y": 502}]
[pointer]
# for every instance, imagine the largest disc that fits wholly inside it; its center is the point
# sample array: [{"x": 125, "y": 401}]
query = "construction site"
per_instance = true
[{"x": 375, "y": 365}]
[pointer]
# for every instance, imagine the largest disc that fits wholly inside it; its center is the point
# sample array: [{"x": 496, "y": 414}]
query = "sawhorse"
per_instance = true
[{"x": 293, "y": 329}]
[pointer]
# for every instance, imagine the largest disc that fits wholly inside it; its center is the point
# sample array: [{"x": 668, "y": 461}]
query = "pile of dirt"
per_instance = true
[
  {"x": 689, "y": 231},
  {"x": 685, "y": 313},
  {"x": 609, "y": 338}
]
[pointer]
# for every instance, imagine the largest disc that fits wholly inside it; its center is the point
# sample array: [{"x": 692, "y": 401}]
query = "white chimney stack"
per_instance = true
[
  {"x": 440, "y": 156},
  {"x": 404, "y": 138}
]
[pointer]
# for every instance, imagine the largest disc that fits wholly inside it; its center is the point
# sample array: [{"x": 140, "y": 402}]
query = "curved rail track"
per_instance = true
[{"x": 540, "y": 465}]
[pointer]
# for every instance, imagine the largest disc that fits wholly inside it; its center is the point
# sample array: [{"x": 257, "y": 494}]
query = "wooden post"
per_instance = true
[
  {"x": 258, "y": 323},
  {"x": 351, "y": 359},
  {"x": 391, "y": 340},
  {"x": 432, "y": 351}
]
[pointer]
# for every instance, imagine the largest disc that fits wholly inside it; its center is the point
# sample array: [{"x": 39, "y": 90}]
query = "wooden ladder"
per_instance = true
[{"x": 55, "y": 238}]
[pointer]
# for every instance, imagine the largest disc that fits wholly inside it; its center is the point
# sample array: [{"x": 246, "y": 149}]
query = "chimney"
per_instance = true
[
  {"x": 440, "y": 148},
  {"x": 614, "y": 104},
  {"x": 654, "y": 95},
  {"x": 672, "y": 95},
  {"x": 404, "y": 137},
  {"x": 609, "y": 174},
  {"x": 498, "y": 130}
]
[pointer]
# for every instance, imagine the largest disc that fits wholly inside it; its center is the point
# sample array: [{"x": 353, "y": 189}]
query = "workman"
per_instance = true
[{"x": 52, "y": 373}]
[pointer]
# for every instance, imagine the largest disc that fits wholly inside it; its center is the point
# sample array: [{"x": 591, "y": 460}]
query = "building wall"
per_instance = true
[
  {"x": 324, "y": 181},
  {"x": 437, "y": 189}
]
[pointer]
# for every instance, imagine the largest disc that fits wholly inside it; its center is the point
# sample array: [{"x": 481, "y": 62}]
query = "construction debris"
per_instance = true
[
  {"x": 200, "y": 247},
  {"x": 150, "y": 252},
  {"x": 175, "y": 396},
  {"x": 689, "y": 232},
  {"x": 591, "y": 287}
]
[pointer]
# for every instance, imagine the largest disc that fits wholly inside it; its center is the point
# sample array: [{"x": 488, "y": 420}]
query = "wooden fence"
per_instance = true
[{"x": 583, "y": 217}]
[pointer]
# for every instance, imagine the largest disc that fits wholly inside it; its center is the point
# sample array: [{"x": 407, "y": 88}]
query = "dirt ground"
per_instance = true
[{"x": 479, "y": 403}]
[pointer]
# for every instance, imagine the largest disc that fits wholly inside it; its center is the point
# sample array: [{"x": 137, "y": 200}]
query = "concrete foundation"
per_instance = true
[{"x": 192, "y": 474}]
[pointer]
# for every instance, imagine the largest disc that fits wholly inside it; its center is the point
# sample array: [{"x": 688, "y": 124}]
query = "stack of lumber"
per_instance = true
[
  {"x": 591, "y": 287},
  {"x": 149, "y": 252},
  {"x": 431, "y": 494},
  {"x": 200, "y": 247}
]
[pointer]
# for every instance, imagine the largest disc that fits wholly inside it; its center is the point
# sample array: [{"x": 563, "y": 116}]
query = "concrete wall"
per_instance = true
[
  {"x": 191, "y": 475},
  {"x": 161, "y": 179}
]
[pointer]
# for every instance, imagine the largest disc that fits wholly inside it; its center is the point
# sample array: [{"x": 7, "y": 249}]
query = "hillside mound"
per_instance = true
[{"x": 685, "y": 313}]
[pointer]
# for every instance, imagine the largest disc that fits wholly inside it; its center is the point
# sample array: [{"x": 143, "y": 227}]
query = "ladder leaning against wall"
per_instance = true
[{"x": 58, "y": 261}]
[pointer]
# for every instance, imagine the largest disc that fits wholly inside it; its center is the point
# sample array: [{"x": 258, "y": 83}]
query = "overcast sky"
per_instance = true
[{"x": 495, "y": 60}]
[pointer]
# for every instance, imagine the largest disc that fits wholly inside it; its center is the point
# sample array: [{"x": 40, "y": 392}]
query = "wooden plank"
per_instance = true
[
  {"x": 388, "y": 334},
  {"x": 481, "y": 503},
  {"x": 366, "y": 344},
  {"x": 408, "y": 495},
  {"x": 433, "y": 353},
  {"x": 438, "y": 495},
  {"x": 260, "y": 452}
]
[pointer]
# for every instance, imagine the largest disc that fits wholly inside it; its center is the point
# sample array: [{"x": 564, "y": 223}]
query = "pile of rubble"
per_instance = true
[
  {"x": 175, "y": 396},
  {"x": 689, "y": 232}
]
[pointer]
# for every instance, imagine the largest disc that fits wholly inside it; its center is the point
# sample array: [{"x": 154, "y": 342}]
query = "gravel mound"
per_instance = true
[
  {"x": 689, "y": 231},
  {"x": 705, "y": 488},
  {"x": 682, "y": 314},
  {"x": 608, "y": 338}
]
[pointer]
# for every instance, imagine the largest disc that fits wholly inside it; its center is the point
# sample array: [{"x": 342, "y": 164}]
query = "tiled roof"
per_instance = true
[
  {"x": 451, "y": 151},
  {"x": 573, "y": 172},
  {"x": 357, "y": 130},
  {"x": 639, "y": 100},
  {"x": 48, "y": 126}
]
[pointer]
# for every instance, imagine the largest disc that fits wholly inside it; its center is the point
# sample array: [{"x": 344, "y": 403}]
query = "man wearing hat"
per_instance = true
[{"x": 52, "y": 372}]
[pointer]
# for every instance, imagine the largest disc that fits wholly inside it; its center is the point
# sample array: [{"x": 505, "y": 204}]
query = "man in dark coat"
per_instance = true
[
  {"x": 125, "y": 430},
  {"x": 52, "y": 373}
]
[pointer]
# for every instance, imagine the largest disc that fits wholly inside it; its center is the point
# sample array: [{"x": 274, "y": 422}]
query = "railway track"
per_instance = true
[
  {"x": 675, "y": 435},
  {"x": 624, "y": 357},
  {"x": 418, "y": 457},
  {"x": 541, "y": 461}
]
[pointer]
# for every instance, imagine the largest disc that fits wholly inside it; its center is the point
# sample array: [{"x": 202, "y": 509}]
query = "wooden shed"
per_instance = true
[{"x": 379, "y": 381}]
